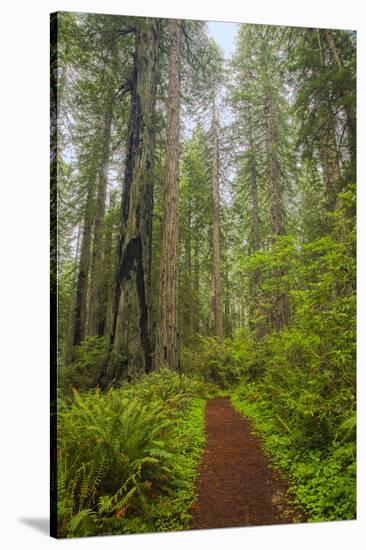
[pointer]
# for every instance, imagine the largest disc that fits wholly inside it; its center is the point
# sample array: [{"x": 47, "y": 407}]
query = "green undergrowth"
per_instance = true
[
  {"x": 322, "y": 480},
  {"x": 127, "y": 458}
]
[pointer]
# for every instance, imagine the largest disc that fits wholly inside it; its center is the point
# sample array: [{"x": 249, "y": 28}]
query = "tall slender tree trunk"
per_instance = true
[
  {"x": 188, "y": 268},
  {"x": 130, "y": 326},
  {"x": 254, "y": 199},
  {"x": 255, "y": 309},
  {"x": 71, "y": 315},
  {"x": 109, "y": 268},
  {"x": 196, "y": 285},
  {"x": 95, "y": 318},
  {"x": 80, "y": 317},
  {"x": 333, "y": 48},
  {"x": 277, "y": 212},
  {"x": 167, "y": 340},
  {"x": 228, "y": 326},
  {"x": 330, "y": 164},
  {"x": 216, "y": 224}
]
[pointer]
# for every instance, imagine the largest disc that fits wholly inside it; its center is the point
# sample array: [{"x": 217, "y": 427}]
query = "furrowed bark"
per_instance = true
[{"x": 167, "y": 338}]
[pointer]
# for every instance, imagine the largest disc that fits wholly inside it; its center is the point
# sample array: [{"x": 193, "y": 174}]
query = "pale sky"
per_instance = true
[{"x": 224, "y": 34}]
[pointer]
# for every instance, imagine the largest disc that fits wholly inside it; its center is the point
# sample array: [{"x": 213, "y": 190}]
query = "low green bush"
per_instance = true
[
  {"x": 221, "y": 364},
  {"x": 323, "y": 477}
]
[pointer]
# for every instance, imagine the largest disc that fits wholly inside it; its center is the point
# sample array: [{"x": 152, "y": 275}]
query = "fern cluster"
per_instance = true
[{"x": 127, "y": 458}]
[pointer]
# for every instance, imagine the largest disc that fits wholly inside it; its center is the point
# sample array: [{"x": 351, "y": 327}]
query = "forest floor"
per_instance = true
[{"x": 236, "y": 485}]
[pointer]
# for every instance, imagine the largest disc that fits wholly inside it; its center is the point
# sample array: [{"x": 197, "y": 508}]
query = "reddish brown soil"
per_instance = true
[{"x": 236, "y": 486}]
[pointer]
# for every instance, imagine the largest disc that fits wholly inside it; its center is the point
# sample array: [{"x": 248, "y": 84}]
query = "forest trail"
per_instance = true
[{"x": 236, "y": 486}]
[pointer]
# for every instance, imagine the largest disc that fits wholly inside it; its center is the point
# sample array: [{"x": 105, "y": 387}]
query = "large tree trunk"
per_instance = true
[
  {"x": 216, "y": 225},
  {"x": 95, "y": 313},
  {"x": 130, "y": 327},
  {"x": 167, "y": 339},
  {"x": 277, "y": 212}
]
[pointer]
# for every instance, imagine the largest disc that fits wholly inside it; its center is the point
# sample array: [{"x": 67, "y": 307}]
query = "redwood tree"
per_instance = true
[
  {"x": 130, "y": 337},
  {"x": 167, "y": 339}
]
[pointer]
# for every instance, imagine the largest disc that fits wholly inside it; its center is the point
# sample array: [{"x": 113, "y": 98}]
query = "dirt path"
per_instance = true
[{"x": 236, "y": 486}]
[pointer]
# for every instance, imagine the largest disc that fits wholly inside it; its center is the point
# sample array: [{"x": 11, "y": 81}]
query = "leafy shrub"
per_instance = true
[
  {"x": 323, "y": 477},
  {"x": 221, "y": 364}
]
